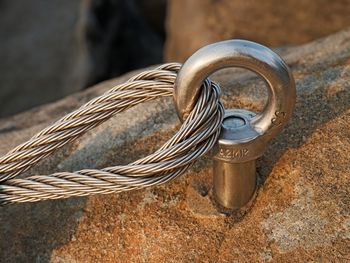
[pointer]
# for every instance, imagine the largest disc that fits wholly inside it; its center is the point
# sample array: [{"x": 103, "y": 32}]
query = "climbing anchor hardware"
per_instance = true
[
  {"x": 244, "y": 134},
  {"x": 236, "y": 138}
]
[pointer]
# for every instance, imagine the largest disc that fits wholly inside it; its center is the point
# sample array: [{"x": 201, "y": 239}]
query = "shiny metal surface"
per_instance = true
[
  {"x": 244, "y": 134},
  {"x": 235, "y": 177},
  {"x": 242, "y": 138},
  {"x": 235, "y": 156},
  {"x": 195, "y": 138}
]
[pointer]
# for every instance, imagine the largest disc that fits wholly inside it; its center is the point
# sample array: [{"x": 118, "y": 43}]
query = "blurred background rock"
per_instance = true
[{"x": 49, "y": 49}]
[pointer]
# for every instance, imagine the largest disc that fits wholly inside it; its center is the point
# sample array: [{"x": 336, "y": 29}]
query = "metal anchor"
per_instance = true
[{"x": 244, "y": 134}]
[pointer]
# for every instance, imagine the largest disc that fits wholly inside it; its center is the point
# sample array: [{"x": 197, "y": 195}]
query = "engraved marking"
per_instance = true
[
  {"x": 279, "y": 118},
  {"x": 233, "y": 154}
]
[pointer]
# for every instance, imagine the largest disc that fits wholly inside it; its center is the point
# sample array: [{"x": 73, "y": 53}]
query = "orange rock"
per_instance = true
[{"x": 301, "y": 212}]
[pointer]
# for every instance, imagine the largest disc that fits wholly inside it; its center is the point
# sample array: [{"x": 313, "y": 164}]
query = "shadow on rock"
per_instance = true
[{"x": 29, "y": 232}]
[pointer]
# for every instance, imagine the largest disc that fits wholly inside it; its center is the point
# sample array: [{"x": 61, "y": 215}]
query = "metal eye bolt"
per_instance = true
[{"x": 244, "y": 134}]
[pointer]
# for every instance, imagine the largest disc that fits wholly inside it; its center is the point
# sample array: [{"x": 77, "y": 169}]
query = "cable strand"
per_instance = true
[{"x": 196, "y": 136}]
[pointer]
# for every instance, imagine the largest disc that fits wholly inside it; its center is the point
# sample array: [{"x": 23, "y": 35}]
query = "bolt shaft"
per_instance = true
[{"x": 234, "y": 183}]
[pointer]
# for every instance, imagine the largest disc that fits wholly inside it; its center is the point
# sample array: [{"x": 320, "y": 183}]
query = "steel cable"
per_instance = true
[{"x": 196, "y": 136}]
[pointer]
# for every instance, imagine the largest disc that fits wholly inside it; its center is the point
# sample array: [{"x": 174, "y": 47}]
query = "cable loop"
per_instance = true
[{"x": 196, "y": 136}]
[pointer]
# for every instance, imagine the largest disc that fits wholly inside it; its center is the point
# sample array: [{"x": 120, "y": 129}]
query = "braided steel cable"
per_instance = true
[{"x": 196, "y": 137}]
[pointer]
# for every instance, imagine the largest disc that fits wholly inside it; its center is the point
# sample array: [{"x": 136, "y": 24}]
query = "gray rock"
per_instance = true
[
  {"x": 40, "y": 61},
  {"x": 50, "y": 49},
  {"x": 301, "y": 212}
]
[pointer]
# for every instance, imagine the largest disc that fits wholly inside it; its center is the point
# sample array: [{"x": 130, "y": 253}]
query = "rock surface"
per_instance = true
[
  {"x": 193, "y": 24},
  {"x": 39, "y": 53},
  {"x": 301, "y": 213},
  {"x": 50, "y": 49}
]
